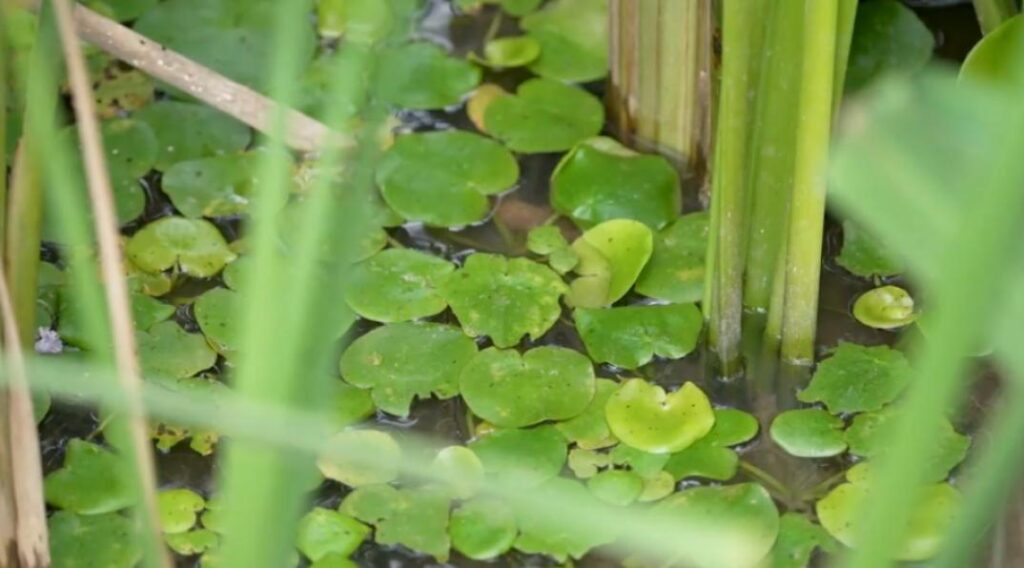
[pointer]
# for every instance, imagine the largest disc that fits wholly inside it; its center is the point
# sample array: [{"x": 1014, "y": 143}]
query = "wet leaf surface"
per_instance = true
[
  {"x": 644, "y": 416},
  {"x": 809, "y": 433},
  {"x": 544, "y": 116},
  {"x": 212, "y": 187},
  {"x": 675, "y": 272},
  {"x": 193, "y": 542},
  {"x": 509, "y": 52},
  {"x": 703, "y": 460},
  {"x": 216, "y": 313},
  {"x": 630, "y": 337},
  {"x": 858, "y": 379}
]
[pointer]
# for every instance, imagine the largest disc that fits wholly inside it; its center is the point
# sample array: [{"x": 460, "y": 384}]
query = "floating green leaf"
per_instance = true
[
  {"x": 167, "y": 350},
  {"x": 798, "y": 537},
  {"x": 840, "y": 510},
  {"x": 402, "y": 361},
  {"x": 732, "y": 427},
  {"x": 420, "y": 75},
  {"x": 483, "y": 528},
  {"x": 511, "y": 390},
  {"x": 90, "y": 482},
  {"x": 612, "y": 255},
  {"x": 108, "y": 540},
  {"x": 809, "y": 433},
  {"x": 193, "y": 542},
  {"x": 212, "y": 187},
  {"x": 573, "y": 35},
  {"x": 415, "y": 518},
  {"x": 233, "y": 37},
  {"x": 870, "y": 433},
  {"x": 508, "y": 52},
  {"x": 527, "y": 457},
  {"x": 351, "y": 404},
  {"x": 644, "y": 464},
  {"x": 117, "y": 89},
  {"x": 398, "y": 285},
  {"x": 355, "y": 469},
  {"x": 186, "y": 131},
  {"x": 541, "y": 533},
  {"x": 444, "y": 178},
  {"x": 600, "y": 180},
  {"x": 996, "y": 58},
  {"x": 216, "y": 313},
  {"x": 146, "y": 312},
  {"x": 585, "y": 463},
  {"x": 888, "y": 38},
  {"x": 589, "y": 429},
  {"x": 864, "y": 255},
  {"x": 178, "y": 509},
  {"x": 169, "y": 435},
  {"x": 642, "y": 415},
  {"x": 703, "y": 460},
  {"x": 360, "y": 21},
  {"x": 460, "y": 469},
  {"x": 504, "y": 298},
  {"x": 887, "y": 307},
  {"x": 194, "y": 246},
  {"x": 616, "y": 486},
  {"x": 323, "y": 531},
  {"x": 858, "y": 378},
  {"x": 675, "y": 272},
  {"x": 658, "y": 487},
  {"x": 630, "y": 337},
  {"x": 547, "y": 240},
  {"x": 544, "y": 116}
]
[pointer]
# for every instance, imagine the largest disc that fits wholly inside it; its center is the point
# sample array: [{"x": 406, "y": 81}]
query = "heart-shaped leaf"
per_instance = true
[
  {"x": 889, "y": 38},
  {"x": 589, "y": 429},
  {"x": 186, "y": 131},
  {"x": 444, "y": 178},
  {"x": 420, "y": 75},
  {"x": 544, "y": 116},
  {"x": 886, "y": 307},
  {"x": 483, "y": 528},
  {"x": 642, "y": 415},
  {"x": 612, "y": 255},
  {"x": 415, "y": 518},
  {"x": 398, "y": 285},
  {"x": 858, "y": 379},
  {"x": 526, "y": 457},
  {"x": 178, "y": 509},
  {"x": 85, "y": 541},
  {"x": 212, "y": 187},
  {"x": 167, "y": 350},
  {"x": 402, "y": 361},
  {"x": 194, "y": 246},
  {"x": 511, "y": 390},
  {"x": 573, "y": 35},
  {"x": 349, "y": 464},
  {"x": 504, "y": 298},
  {"x": 864, "y": 255},
  {"x": 216, "y": 312},
  {"x": 798, "y": 537},
  {"x": 91, "y": 481},
  {"x": 809, "y": 433},
  {"x": 600, "y": 180},
  {"x": 630, "y": 337},
  {"x": 616, "y": 486},
  {"x": 870, "y": 433},
  {"x": 324, "y": 531},
  {"x": 508, "y": 52},
  {"x": 675, "y": 272}
]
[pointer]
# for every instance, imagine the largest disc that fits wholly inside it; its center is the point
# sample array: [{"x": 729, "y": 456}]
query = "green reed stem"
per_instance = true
[{"x": 992, "y": 13}]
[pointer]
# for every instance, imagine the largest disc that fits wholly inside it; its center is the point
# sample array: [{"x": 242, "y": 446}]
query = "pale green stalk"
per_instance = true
[{"x": 992, "y": 13}]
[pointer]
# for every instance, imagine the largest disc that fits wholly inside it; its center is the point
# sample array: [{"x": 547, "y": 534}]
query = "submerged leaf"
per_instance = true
[
  {"x": 642, "y": 415},
  {"x": 90, "y": 482},
  {"x": 526, "y": 457},
  {"x": 630, "y": 337},
  {"x": 858, "y": 379},
  {"x": 420, "y": 75},
  {"x": 887, "y": 307},
  {"x": 809, "y": 433},
  {"x": 544, "y": 116},
  {"x": 675, "y": 272},
  {"x": 88, "y": 541},
  {"x": 573, "y": 35},
  {"x": 193, "y": 245},
  {"x": 398, "y": 285}
]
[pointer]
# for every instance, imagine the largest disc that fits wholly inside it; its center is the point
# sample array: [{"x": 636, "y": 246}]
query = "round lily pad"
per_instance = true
[
  {"x": 858, "y": 379},
  {"x": 193, "y": 245},
  {"x": 809, "y": 433},
  {"x": 840, "y": 510},
  {"x": 90, "y": 482},
  {"x": 887, "y": 307},
  {"x": 179, "y": 509},
  {"x": 121, "y": 10},
  {"x": 193, "y": 542},
  {"x": 642, "y": 415},
  {"x": 675, "y": 272},
  {"x": 544, "y": 116},
  {"x": 611, "y": 257},
  {"x": 732, "y": 427},
  {"x": 398, "y": 285},
  {"x": 88, "y": 541},
  {"x": 232, "y": 37},
  {"x": 370, "y": 457},
  {"x": 460, "y": 469},
  {"x": 483, "y": 529},
  {"x": 995, "y": 59},
  {"x": 600, "y": 180},
  {"x": 870, "y": 434},
  {"x": 573, "y": 35},
  {"x": 864, "y": 255},
  {"x": 420, "y": 75},
  {"x": 212, "y": 187},
  {"x": 548, "y": 240},
  {"x": 504, "y": 298},
  {"x": 402, "y": 361},
  {"x": 216, "y": 313},
  {"x": 323, "y": 531},
  {"x": 589, "y": 429},
  {"x": 167, "y": 350},
  {"x": 658, "y": 487},
  {"x": 511, "y": 390},
  {"x": 630, "y": 337},
  {"x": 186, "y": 131},
  {"x": 524, "y": 457},
  {"x": 444, "y": 178},
  {"x": 509, "y": 52},
  {"x": 616, "y": 486},
  {"x": 479, "y": 101},
  {"x": 703, "y": 460},
  {"x": 745, "y": 512}
]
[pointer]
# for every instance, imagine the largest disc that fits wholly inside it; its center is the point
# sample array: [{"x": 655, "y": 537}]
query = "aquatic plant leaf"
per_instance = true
[
  {"x": 167, "y": 350},
  {"x": 548, "y": 240},
  {"x": 87, "y": 541},
  {"x": 483, "y": 528},
  {"x": 931, "y": 516},
  {"x": 415, "y": 518},
  {"x": 359, "y": 471},
  {"x": 870, "y": 434},
  {"x": 118, "y": 90},
  {"x": 642, "y": 463},
  {"x": 360, "y": 21},
  {"x": 232, "y": 37},
  {"x": 193, "y": 542},
  {"x": 808, "y": 433},
  {"x": 732, "y": 427},
  {"x": 642, "y": 415},
  {"x": 212, "y": 187},
  {"x": 858, "y": 379},
  {"x": 511, "y": 390},
  {"x": 509, "y": 52},
  {"x": 995, "y": 60},
  {"x": 216, "y": 313},
  {"x": 179, "y": 509},
  {"x": 888, "y": 38},
  {"x": 461, "y": 470},
  {"x": 504, "y": 298},
  {"x": 886, "y": 307},
  {"x": 589, "y": 429},
  {"x": 420, "y": 75},
  {"x": 90, "y": 482},
  {"x": 194, "y": 246},
  {"x": 325, "y": 531},
  {"x": 121, "y": 10},
  {"x": 350, "y": 404},
  {"x": 402, "y": 361},
  {"x": 398, "y": 285},
  {"x": 169, "y": 435},
  {"x": 864, "y": 255},
  {"x": 585, "y": 463},
  {"x": 744, "y": 511},
  {"x": 798, "y": 537},
  {"x": 544, "y": 116},
  {"x": 479, "y": 101},
  {"x": 573, "y": 35},
  {"x": 658, "y": 487},
  {"x": 616, "y": 486},
  {"x": 703, "y": 460},
  {"x": 600, "y": 180},
  {"x": 187, "y": 131},
  {"x": 317, "y": 96},
  {"x": 146, "y": 312},
  {"x": 675, "y": 272},
  {"x": 528, "y": 457},
  {"x": 444, "y": 178},
  {"x": 630, "y": 337},
  {"x": 542, "y": 534},
  {"x": 615, "y": 252}
]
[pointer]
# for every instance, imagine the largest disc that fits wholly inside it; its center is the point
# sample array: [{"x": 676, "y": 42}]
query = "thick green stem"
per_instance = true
[{"x": 992, "y": 13}]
